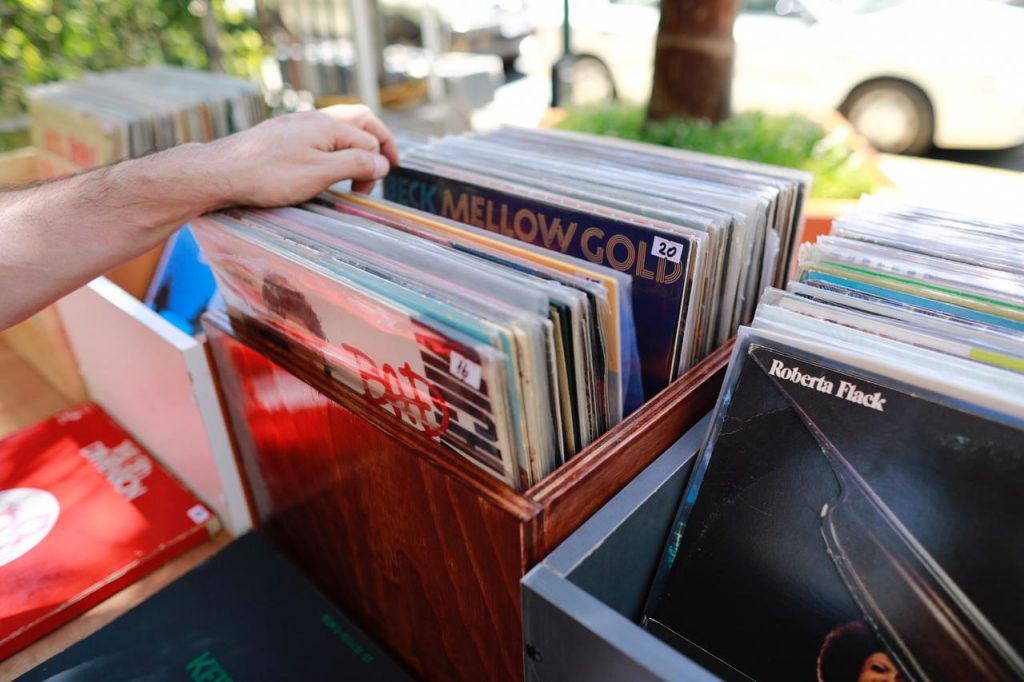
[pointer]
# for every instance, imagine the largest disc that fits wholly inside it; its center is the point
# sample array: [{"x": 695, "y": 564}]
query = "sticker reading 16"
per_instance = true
[
  {"x": 670, "y": 251},
  {"x": 465, "y": 369}
]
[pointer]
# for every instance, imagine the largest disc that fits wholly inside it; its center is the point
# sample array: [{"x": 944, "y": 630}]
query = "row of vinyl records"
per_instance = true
[
  {"x": 106, "y": 117},
  {"x": 515, "y": 293},
  {"x": 856, "y": 511},
  {"x": 85, "y": 512}
]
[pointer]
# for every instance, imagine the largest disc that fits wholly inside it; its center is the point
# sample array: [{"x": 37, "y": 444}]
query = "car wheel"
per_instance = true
[
  {"x": 894, "y": 116},
  {"x": 589, "y": 83}
]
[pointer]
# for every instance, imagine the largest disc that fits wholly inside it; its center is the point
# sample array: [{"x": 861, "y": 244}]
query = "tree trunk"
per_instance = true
[
  {"x": 693, "y": 60},
  {"x": 211, "y": 37}
]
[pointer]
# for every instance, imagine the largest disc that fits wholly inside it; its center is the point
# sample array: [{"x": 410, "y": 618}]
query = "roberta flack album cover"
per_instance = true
[{"x": 846, "y": 527}]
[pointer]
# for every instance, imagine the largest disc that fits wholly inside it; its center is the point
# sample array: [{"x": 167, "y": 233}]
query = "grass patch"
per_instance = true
[{"x": 840, "y": 171}]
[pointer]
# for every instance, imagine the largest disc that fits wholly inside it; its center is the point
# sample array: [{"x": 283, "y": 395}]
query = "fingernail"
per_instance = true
[{"x": 381, "y": 165}]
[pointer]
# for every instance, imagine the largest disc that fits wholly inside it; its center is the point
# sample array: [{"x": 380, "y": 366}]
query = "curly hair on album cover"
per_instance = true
[{"x": 844, "y": 651}]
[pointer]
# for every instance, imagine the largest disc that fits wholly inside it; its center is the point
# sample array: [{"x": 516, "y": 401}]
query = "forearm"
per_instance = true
[{"x": 57, "y": 236}]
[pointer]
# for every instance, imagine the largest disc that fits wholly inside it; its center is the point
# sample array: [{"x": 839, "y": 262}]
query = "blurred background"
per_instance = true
[{"x": 784, "y": 81}]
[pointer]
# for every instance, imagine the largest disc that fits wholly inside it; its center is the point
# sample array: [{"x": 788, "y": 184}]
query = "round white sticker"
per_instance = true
[{"x": 27, "y": 515}]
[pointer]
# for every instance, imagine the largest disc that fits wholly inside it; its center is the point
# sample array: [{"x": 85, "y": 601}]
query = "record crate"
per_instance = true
[
  {"x": 583, "y": 602},
  {"x": 419, "y": 545}
]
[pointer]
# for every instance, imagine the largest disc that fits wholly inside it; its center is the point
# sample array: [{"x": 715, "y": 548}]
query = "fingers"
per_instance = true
[
  {"x": 345, "y": 136},
  {"x": 362, "y": 118},
  {"x": 363, "y": 186},
  {"x": 363, "y": 167},
  {"x": 388, "y": 146}
]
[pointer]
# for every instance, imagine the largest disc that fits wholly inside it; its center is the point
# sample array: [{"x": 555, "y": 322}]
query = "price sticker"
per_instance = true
[
  {"x": 199, "y": 514},
  {"x": 666, "y": 250},
  {"x": 467, "y": 371}
]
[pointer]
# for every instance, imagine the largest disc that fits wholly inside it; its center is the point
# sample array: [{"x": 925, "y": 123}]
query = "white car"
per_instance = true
[{"x": 907, "y": 73}]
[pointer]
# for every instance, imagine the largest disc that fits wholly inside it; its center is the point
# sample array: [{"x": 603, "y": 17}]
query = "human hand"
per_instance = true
[{"x": 289, "y": 159}]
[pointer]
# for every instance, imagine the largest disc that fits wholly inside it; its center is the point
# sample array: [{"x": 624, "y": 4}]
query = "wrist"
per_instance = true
[
  {"x": 211, "y": 177},
  {"x": 175, "y": 185}
]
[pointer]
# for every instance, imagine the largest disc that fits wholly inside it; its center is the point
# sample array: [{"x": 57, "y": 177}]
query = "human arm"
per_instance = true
[{"x": 57, "y": 236}]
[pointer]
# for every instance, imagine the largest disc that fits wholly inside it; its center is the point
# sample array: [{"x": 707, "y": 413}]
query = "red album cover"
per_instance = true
[{"x": 84, "y": 512}]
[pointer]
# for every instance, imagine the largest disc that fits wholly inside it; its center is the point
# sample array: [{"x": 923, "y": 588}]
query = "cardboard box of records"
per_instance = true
[
  {"x": 432, "y": 389},
  {"x": 851, "y": 509},
  {"x": 106, "y": 341}
]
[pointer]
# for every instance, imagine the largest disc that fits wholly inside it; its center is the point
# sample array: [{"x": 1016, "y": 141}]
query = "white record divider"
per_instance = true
[{"x": 158, "y": 383}]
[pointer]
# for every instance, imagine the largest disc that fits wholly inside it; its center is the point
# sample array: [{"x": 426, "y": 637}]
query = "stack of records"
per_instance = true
[
  {"x": 115, "y": 115},
  {"x": 857, "y": 505},
  {"x": 521, "y": 334},
  {"x": 700, "y": 236}
]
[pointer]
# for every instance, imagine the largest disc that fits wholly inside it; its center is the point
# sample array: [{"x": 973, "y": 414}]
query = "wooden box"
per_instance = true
[
  {"x": 423, "y": 548},
  {"x": 582, "y": 603}
]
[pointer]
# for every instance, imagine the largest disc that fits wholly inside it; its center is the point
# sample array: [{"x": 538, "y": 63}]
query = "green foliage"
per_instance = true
[
  {"x": 792, "y": 141},
  {"x": 46, "y": 40},
  {"x": 13, "y": 139}
]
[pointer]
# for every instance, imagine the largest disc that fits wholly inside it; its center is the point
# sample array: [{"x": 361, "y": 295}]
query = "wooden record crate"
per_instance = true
[{"x": 422, "y": 547}]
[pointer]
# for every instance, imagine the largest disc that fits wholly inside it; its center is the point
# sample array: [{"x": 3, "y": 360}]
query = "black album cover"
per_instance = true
[
  {"x": 245, "y": 614},
  {"x": 845, "y": 527}
]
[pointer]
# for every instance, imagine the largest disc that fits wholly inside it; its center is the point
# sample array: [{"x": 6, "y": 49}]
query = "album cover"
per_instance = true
[
  {"x": 842, "y": 525},
  {"x": 183, "y": 284},
  {"x": 245, "y": 614},
  {"x": 84, "y": 512}
]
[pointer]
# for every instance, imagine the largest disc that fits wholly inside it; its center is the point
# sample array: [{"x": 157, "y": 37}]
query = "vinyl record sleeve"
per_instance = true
[
  {"x": 942, "y": 334},
  {"x": 794, "y": 186},
  {"x": 837, "y": 515},
  {"x": 183, "y": 284},
  {"x": 84, "y": 512},
  {"x": 244, "y": 614},
  {"x": 986, "y": 289},
  {"x": 939, "y": 302}
]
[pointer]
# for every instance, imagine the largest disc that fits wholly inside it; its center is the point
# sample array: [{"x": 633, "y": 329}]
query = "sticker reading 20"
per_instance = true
[{"x": 670, "y": 251}]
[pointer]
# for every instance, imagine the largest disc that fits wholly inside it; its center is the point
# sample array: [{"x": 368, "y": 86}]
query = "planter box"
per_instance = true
[
  {"x": 582, "y": 603},
  {"x": 156, "y": 381},
  {"x": 419, "y": 545}
]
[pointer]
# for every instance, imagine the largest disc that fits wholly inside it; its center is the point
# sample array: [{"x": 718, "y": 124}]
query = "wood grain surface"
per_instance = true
[
  {"x": 26, "y": 397},
  {"x": 421, "y": 550},
  {"x": 41, "y": 342}
]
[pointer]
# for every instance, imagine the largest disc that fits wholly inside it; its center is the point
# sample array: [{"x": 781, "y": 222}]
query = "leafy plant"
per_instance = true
[
  {"x": 840, "y": 171},
  {"x": 46, "y": 40}
]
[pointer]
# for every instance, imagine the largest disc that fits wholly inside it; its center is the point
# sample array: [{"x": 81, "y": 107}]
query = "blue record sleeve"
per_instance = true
[{"x": 183, "y": 284}]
